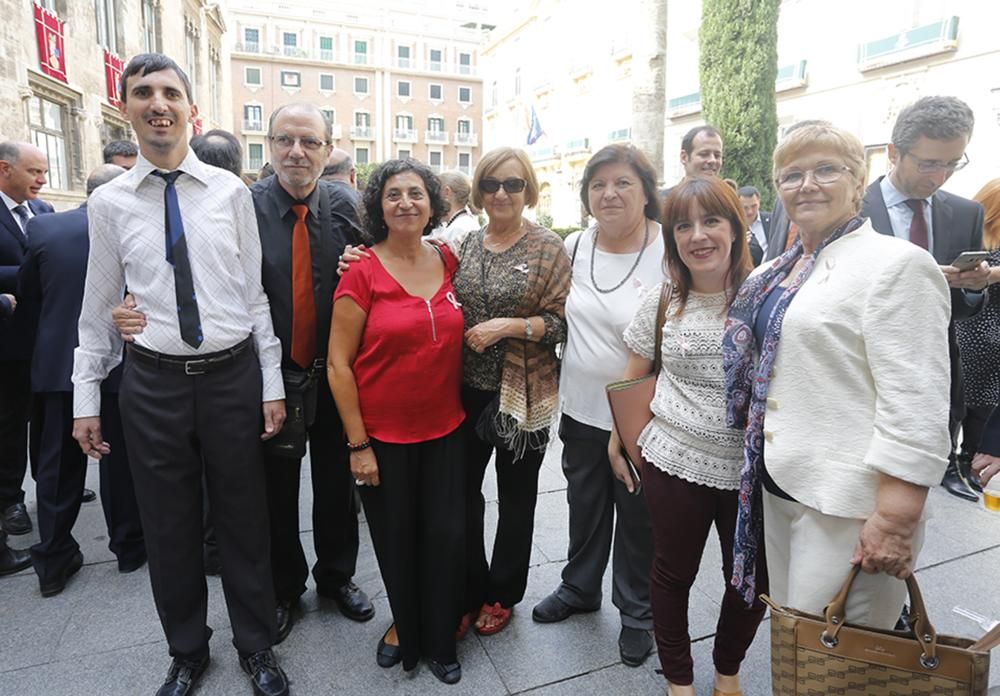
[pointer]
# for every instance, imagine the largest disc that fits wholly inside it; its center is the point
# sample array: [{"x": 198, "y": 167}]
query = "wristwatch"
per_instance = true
[{"x": 528, "y": 330}]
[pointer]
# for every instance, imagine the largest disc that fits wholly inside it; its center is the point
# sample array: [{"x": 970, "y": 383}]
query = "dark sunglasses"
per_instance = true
[{"x": 512, "y": 185}]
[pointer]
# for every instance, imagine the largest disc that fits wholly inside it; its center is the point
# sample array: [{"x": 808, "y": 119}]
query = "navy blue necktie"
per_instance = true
[
  {"x": 22, "y": 213},
  {"x": 177, "y": 256}
]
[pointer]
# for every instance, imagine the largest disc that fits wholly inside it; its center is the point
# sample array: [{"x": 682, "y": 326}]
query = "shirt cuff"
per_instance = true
[
  {"x": 273, "y": 384},
  {"x": 87, "y": 400},
  {"x": 911, "y": 464}
]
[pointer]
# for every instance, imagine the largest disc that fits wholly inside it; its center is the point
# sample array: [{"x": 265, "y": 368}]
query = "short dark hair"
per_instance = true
[
  {"x": 687, "y": 142},
  {"x": 342, "y": 167},
  {"x": 635, "y": 158},
  {"x": 748, "y": 192},
  {"x": 119, "y": 148},
  {"x": 371, "y": 201},
  {"x": 146, "y": 63},
  {"x": 937, "y": 118},
  {"x": 220, "y": 149}
]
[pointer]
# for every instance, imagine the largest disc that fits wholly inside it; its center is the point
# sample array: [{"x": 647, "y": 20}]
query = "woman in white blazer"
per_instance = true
[{"x": 836, "y": 360}]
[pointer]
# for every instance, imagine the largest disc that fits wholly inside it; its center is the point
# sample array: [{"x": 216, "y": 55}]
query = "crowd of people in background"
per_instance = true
[{"x": 197, "y": 330}]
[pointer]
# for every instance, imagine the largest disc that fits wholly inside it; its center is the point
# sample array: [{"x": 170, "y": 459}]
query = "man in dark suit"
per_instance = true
[
  {"x": 11, "y": 560},
  {"x": 23, "y": 170},
  {"x": 986, "y": 463},
  {"x": 52, "y": 276},
  {"x": 928, "y": 145},
  {"x": 758, "y": 222}
]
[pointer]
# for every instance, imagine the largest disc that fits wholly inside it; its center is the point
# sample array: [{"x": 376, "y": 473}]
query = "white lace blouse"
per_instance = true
[{"x": 688, "y": 436}]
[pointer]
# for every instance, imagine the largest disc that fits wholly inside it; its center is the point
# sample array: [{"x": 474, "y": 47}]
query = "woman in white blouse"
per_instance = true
[
  {"x": 691, "y": 471},
  {"x": 614, "y": 262}
]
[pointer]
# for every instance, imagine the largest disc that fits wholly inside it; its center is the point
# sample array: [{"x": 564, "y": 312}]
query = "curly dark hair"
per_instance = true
[{"x": 373, "y": 220}]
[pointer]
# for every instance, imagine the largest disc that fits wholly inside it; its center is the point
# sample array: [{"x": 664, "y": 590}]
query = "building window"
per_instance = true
[
  {"x": 465, "y": 63},
  {"x": 291, "y": 78},
  {"x": 214, "y": 82},
  {"x": 464, "y": 95},
  {"x": 255, "y": 156},
  {"x": 434, "y": 159},
  {"x": 403, "y": 88},
  {"x": 435, "y": 92},
  {"x": 326, "y": 48},
  {"x": 150, "y": 27},
  {"x": 362, "y": 119},
  {"x": 403, "y": 56},
  {"x": 464, "y": 126},
  {"x": 330, "y": 115},
  {"x": 107, "y": 24},
  {"x": 435, "y": 123},
  {"x": 465, "y": 162},
  {"x": 434, "y": 62},
  {"x": 251, "y": 40},
  {"x": 253, "y": 117},
  {"x": 47, "y": 121},
  {"x": 361, "y": 155},
  {"x": 191, "y": 54},
  {"x": 252, "y": 77},
  {"x": 361, "y": 85},
  {"x": 404, "y": 122},
  {"x": 361, "y": 53},
  {"x": 290, "y": 43},
  {"x": 403, "y": 154},
  {"x": 326, "y": 82}
]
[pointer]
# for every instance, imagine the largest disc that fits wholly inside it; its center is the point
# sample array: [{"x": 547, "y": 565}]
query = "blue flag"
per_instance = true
[{"x": 535, "y": 129}]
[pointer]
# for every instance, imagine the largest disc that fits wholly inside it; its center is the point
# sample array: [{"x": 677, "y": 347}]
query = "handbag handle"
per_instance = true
[
  {"x": 666, "y": 289},
  {"x": 923, "y": 631}
]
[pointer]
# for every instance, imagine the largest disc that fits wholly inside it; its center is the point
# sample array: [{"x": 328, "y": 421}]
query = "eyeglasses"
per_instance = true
[
  {"x": 511, "y": 185},
  {"x": 823, "y": 174},
  {"x": 287, "y": 142},
  {"x": 933, "y": 166}
]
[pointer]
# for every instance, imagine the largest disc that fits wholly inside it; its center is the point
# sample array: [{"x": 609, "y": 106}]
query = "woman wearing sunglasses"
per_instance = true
[{"x": 512, "y": 281}]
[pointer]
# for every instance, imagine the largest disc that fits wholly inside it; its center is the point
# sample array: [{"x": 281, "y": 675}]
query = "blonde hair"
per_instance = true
[
  {"x": 989, "y": 197},
  {"x": 461, "y": 188},
  {"x": 493, "y": 159},
  {"x": 823, "y": 136}
]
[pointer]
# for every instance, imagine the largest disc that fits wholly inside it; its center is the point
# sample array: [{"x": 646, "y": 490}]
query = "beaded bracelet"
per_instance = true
[{"x": 358, "y": 446}]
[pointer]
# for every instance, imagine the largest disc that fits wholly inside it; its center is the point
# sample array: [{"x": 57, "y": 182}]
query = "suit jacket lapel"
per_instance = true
[
  {"x": 876, "y": 210},
  {"x": 7, "y": 220},
  {"x": 941, "y": 223}
]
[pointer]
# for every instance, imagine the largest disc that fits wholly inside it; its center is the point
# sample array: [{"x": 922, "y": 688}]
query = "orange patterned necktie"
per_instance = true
[{"x": 303, "y": 297}]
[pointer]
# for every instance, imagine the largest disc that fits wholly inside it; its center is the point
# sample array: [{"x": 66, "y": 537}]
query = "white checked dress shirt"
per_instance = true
[{"x": 128, "y": 247}]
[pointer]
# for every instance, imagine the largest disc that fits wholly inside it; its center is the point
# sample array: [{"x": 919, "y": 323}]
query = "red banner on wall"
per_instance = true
[
  {"x": 49, "y": 31},
  {"x": 113, "y": 67}
]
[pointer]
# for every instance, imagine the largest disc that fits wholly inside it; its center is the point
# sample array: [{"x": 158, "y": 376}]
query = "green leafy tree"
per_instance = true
[{"x": 739, "y": 63}]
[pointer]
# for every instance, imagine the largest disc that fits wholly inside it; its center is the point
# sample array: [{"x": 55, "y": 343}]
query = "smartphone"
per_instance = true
[
  {"x": 634, "y": 473},
  {"x": 968, "y": 260}
]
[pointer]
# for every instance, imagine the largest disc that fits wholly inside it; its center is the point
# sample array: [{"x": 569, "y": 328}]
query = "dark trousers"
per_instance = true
[
  {"x": 61, "y": 468},
  {"x": 335, "y": 511},
  {"x": 505, "y": 578},
  {"x": 682, "y": 515},
  {"x": 174, "y": 422},
  {"x": 594, "y": 495},
  {"x": 417, "y": 521},
  {"x": 972, "y": 428},
  {"x": 121, "y": 511},
  {"x": 15, "y": 402}
]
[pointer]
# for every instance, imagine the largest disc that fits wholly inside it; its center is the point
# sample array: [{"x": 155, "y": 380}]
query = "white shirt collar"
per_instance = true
[
  {"x": 11, "y": 203},
  {"x": 893, "y": 196},
  {"x": 189, "y": 165}
]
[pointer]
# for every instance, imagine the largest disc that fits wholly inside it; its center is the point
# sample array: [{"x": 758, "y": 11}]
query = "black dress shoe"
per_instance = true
[
  {"x": 13, "y": 560},
  {"x": 267, "y": 678},
  {"x": 88, "y": 496},
  {"x": 351, "y": 600},
  {"x": 386, "y": 655},
  {"x": 955, "y": 484},
  {"x": 968, "y": 475},
  {"x": 182, "y": 676},
  {"x": 213, "y": 564},
  {"x": 15, "y": 520},
  {"x": 553, "y": 610},
  {"x": 56, "y": 585},
  {"x": 634, "y": 645},
  {"x": 130, "y": 565},
  {"x": 449, "y": 674},
  {"x": 287, "y": 613}
]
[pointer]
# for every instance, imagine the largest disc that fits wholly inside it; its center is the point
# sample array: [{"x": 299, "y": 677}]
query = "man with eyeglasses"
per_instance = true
[{"x": 928, "y": 146}]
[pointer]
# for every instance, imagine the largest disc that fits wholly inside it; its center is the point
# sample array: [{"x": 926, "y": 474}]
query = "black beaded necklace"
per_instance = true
[{"x": 638, "y": 258}]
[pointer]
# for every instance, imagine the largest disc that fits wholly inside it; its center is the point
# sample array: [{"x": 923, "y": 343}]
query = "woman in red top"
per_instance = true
[{"x": 395, "y": 369}]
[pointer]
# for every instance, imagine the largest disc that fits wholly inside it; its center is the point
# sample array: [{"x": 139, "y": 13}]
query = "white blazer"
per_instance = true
[{"x": 861, "y": 379}]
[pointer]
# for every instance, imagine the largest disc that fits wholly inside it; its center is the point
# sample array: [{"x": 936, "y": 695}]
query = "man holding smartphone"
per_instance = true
[{"x": 928, "y": 145}]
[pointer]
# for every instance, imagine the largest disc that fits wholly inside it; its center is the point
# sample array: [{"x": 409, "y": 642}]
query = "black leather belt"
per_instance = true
[{"x": 200, "y": 365}]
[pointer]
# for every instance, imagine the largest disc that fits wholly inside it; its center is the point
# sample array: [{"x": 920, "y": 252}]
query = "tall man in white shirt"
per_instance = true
[
  {"x": 183, "y": 237},
  {"x": 928, "y": 145}
]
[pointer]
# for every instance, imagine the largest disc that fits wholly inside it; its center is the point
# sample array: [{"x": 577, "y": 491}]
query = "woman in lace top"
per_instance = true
[{"x": 692, "y": 459}]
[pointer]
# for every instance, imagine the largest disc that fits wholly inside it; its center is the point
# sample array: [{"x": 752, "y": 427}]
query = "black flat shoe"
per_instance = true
[
  {"x": 15, "y": 520},
  {"x": 387, "y": 655},
  {"x": 634, "y": 645},
  {"x": 287, "y": 614},
  {"x": 956, "y": 485},
  {"x": 351, "y": 600},
  {"x": 182, "y": 677},
  {"x": 553, "y": 610},
  {"x": 449, "y": 674},
  {"x": 58, "y": 583},
  {"x": 267, "y": 678},
  {"x": 88, "y": 496}
]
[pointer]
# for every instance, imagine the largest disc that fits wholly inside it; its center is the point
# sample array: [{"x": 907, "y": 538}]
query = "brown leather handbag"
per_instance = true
[
  {"x": 630, "y": 399},
  {"x": 818, "y": 655}
]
